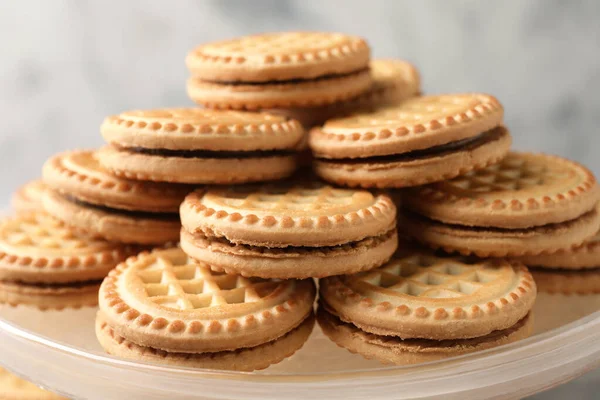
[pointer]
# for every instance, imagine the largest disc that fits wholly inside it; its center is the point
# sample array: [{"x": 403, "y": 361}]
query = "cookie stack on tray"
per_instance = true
[{"x": 255, "y": 230}]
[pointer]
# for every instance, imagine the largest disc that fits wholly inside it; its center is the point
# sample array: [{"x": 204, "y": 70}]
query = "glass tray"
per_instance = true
[{"x": 59, "y": 351}]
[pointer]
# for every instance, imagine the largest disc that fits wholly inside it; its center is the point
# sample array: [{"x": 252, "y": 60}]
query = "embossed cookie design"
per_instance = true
[
  {"x": 420, "y": 307},
  {"x": 162, "y": 306},
  {"x": 417, "y": 141},
  {"x": 197, "y": 146},
  {"x": 527, "y": 205},
  {"x": 288, "y": 230},
  {"x": 47, "y": 264},
  {"x": 87, "y": 196},
  {"x": 279, "y": 70}
]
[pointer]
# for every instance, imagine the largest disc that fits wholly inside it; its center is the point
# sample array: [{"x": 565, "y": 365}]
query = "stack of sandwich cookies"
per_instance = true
[
  {"x": 87, "y": 196},
  {"x": 393, "y": 82},
  {"x": 279, "y": 70},
  {"x": 418, "y": 141},
  {"x": 45, "y": 263},
  {"x": 288, "y": 230},
  {"x": 421, "y": 307},
  {"x": 162, "y": 307},
  {"x": 28, "y": 197},
  {"x": 200, "y": 146},
  {"x": 528, "y": 204}
]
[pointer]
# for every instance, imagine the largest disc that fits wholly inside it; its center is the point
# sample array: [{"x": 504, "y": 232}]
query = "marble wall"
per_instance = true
[{"x": 64, "y": 65}]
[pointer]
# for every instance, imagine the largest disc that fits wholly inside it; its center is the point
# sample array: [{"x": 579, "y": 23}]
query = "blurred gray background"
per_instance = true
[{"x": 67, "y": 64}]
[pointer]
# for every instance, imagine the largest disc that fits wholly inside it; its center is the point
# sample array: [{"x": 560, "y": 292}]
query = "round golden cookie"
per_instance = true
[
  {"x": 523, "y": 190},
  {"x": 279, "y": 57},
  {"x": 584, "y": 256},
  {"x": 28, "y": 197},
  {"x": 38, "y": 249},
  {"x": 246, "y": 359},
  {"x": 166, "y": 301},
  {"x": 79, "y": 175},
  {"x": 200, "y": 146},
  {"x": 420, "y": 295},
  {"x": 567, "y": 282},
  {"x": 394, "y": 350},
  {"x": 288, "y": 214},
  {"x": 309, "y": 93},
  {"x": 414, "y": 124},
  {"x": 50, "y": 297},
  {"x": 418, "y": 167},
  {"x": 111, "y": 224},
  {"x": 15, "y": 388},
  {"x": 393, "y": 81}
]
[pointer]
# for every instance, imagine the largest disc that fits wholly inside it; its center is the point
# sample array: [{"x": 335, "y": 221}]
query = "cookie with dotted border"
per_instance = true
[
  {"x": 165, "y": 301},
  {"x": 288, "y": 230},
  {"x": 246, "y": 359},
  {"x": 45, "y": 263},
  {"x": 421, "y": 295},
  {"x": 189, "y": 145},
  {"x": 15, "y": 388},
  {"x": 78, "y": 174},
  {"x": 584, "y": 256},
  {"x": 521, "y": 191},
  {"x": 111, "y": 224},
  {"x": 393, "y": 81},
  {"x": 280, "y": 56},
  {"x": 394, "y": 350},
  {"x": 28, "y": 197}
]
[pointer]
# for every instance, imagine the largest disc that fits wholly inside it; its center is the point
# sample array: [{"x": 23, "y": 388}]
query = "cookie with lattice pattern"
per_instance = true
[
  {"x": 85, "y": 194},
  {"x": 28, "y": 197},
  {"x": 15, "y": 388},
  {"x": 165, "y": 300},
  {"x": 46, "y": 263},
  {"x": 271, "y": 70},
  {"x": 416, "y": 141},
  {"x": 192, "y": 145},
  {"x": 528, "y": 204},
  {"x": 399, "y": 351},
  {"x": 244, "y": 359},
  {"x": 419, "y": 294},
  {"x": 393, "y": 81},
  {"x": 288, "y": 230}
]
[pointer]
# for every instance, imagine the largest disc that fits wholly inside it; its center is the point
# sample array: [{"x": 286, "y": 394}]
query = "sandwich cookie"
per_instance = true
[
  {"x": 162, "y": 306},
  {"x": 584, "y": 256},
  {"x": 528, "y": 204},
  {"x": 28, "y": 197},
  {"x": 279, "y": 70},
  {"x": 15, "y": 388},
  {"x": 191, "y": 145},
  {"x": 47, "y": 264},
  {"x": 417, "y": 141},
  {"x": 87, "y": 196},
  {"x": 295, "y": 230},
  {"x": 419, "y": 307},
  {"x": 393, "y": 82}
]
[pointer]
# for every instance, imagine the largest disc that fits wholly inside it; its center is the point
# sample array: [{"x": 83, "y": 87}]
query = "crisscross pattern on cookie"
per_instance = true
[
  {"x": 181, "y": 285},
  {"x": 42, "y": 233},
  {"x": 512, "y": 173},
  {"x": 423, "y": 275}
]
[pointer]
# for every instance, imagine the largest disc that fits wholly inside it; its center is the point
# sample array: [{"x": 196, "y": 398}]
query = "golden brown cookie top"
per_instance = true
[
  {"x": 79, "y": 174},
  {"x": 414, "y": 124},
  {"x": 29, "y": 196},
  {"x": 35, "y": 247},
  {"x": 523, "y": 190},
  {"x": 420, "y": 294},
  {"x": 393, "y": 80},
  {"x": 288, "y": 214},
  {"x": 181, "y": 305},
  {"x": 202, "y": 129},
  {"x": 279, "y": 56}
]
